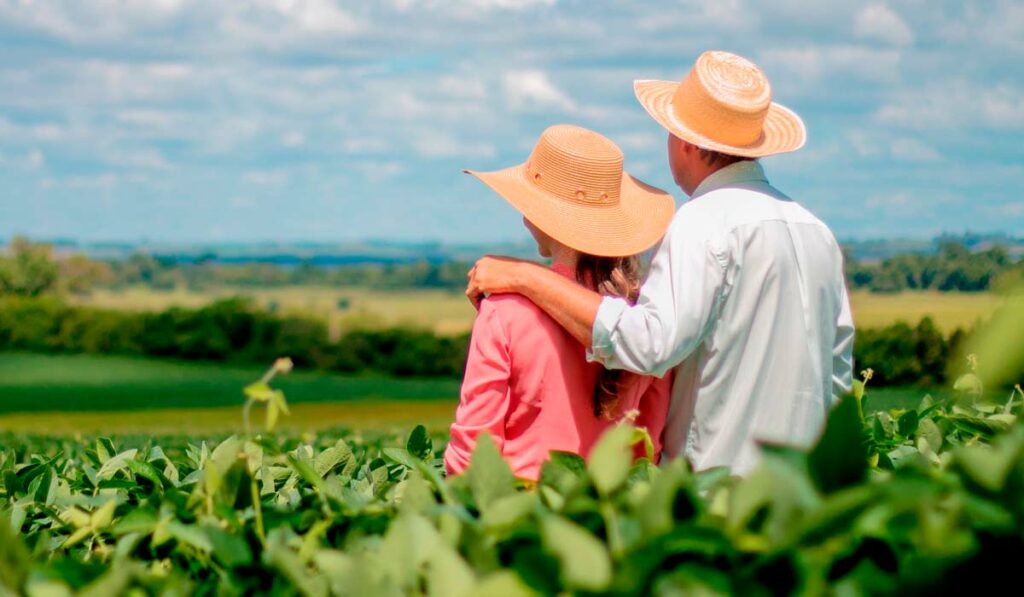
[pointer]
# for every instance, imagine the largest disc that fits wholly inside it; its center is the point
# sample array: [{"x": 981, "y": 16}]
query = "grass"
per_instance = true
[
  {"x": 362, "y": 415},
  {"x": 68, "y": 394},
  {"x": 34, "y": 382},
  {"x": 905, "y": 397},
  {"x": 450, "y": 313}
]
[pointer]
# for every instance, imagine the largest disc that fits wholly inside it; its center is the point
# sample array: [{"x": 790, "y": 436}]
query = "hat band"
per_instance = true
[{"x": 694, "y": 107}]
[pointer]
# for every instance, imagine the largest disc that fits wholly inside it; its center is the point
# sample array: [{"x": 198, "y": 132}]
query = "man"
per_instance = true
[{"x": 745, "y": 300}]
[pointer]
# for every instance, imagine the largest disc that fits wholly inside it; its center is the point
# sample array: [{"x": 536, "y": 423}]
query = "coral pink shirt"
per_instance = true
[{"x": 529, "y": 384}]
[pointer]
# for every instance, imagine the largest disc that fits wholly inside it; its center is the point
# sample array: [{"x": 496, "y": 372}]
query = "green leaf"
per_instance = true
[
  {"x": 272, "y": 412},
  {"x": 489, "y": 475},
  {"x": 259, "y": 391},
  {"x": 969, "y": 383},
  {"x": 563, "y": 472},
  {"x": 115, "y": 464},
  {"x": 585, "y": 563},
  {"x": 989, "y": 466},
  {"x": 976, "y": 425},
  {"x": 103, "y": 516},
  {"x": 447, "y": 573},
  {"x": 503, "y": 583},
  {"x": 930, "y": 432},
  {"x": 143, "y": 469},
  {"x": 420, "y": 444},
  {"x": 907, "y": 423},
  {"x": 400, "y": 455},
  {"x": 338, "y": 455},
  {"x": 508, "y": 511},
  {"x": 227, "y": 547},
  {"x": 840, "y": 458},
  {"x": 611, "y": 458},
  {"x": 190, "y": 535}
]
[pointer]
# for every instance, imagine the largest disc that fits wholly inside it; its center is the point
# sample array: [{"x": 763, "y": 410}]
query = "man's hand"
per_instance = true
[{"x": 492, "y": 275}]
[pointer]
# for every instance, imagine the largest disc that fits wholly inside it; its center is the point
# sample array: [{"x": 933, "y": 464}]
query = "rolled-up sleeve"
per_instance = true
[
  {"x": 676, "y": 309},
  {"x": 484, "y": 399}
]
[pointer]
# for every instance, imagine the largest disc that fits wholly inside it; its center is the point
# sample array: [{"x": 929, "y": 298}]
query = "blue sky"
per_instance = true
[{"x": 316, "y": 120}]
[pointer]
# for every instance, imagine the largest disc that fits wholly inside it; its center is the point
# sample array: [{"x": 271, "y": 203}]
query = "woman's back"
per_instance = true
[{"x": 529, "y": 384}]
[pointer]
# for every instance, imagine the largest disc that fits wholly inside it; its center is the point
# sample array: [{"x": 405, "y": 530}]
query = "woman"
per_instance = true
[{"x": 528, "y": 382}]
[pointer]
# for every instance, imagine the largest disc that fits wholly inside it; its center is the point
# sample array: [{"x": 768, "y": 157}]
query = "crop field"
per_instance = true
[
  {"x": 949, "y": 310},
  {"x": 449, "y": 313},
  {"x": 68, "y": 394},
  {"x": 909, "y": 500},
  {"x": 441, "y": 311},
  {"x": 107, "y": 394}
]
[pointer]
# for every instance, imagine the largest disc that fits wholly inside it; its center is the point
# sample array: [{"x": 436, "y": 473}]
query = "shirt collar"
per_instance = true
[{"x": 733, "y": 174}]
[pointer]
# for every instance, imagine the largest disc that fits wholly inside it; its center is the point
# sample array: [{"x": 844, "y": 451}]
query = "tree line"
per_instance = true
[
  {"x": 953, "y": 268},
  {"x": 29, "y": 269},
  {"x": 235, "y": 330}
]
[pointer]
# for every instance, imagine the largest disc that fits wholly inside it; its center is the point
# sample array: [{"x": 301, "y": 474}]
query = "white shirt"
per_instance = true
[{"x": 746, "y": 299}]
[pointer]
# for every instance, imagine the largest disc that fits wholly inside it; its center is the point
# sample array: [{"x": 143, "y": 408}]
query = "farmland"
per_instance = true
[
  {"x": 69, "y": 393},
  {"x": 909, "y": 500},
  {"x": 448, "y": 312},
  {"x": 441, "y": 311}
]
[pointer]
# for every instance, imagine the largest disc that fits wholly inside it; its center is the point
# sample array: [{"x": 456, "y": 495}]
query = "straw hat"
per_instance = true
[
  {"x": 724, "y": 104},
  {"x": 574, "y": 189}
]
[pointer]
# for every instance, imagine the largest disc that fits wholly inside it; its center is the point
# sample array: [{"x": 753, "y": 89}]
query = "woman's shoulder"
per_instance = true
[
  {"x": 512, "y": 310},
  {"x": 510, "y": 303}
]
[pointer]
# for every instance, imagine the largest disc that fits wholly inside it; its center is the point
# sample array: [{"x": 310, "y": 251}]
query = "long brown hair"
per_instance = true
[{"x": 612, "y": 276}]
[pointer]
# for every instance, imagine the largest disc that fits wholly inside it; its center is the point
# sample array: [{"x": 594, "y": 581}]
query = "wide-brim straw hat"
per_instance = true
[
  {"x": 573, "y": 188},
  {"x": 724, "y": 104}
]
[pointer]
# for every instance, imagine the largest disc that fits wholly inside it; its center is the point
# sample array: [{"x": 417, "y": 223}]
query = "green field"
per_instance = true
[
  {"x": 448, "y": 312},
  {"x": 82, "y": 392},
  {"x": 69, "y": 394}
]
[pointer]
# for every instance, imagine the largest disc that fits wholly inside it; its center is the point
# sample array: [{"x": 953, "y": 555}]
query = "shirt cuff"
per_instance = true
[{"x": 605, "y": 322}]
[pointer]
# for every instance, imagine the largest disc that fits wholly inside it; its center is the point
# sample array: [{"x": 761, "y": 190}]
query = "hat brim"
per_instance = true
[
  {"x": 631, "y": 226},
  {"x": 784, "y": 131}
]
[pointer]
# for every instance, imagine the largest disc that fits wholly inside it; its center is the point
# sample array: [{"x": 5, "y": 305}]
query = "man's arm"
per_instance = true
[
  {"x": 678, "y": 302},
  {"x": 571, "y": 305}
]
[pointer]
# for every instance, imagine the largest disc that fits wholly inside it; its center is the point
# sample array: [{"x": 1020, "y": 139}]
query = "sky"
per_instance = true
[{"x": 328, "y": 121}]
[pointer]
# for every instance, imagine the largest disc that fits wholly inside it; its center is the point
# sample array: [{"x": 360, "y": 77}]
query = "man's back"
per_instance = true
[{"x": 746, "y": 295}]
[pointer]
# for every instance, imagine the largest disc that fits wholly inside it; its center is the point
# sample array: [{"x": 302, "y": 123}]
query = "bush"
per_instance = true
[
  {"x": 900, "y": 354},
  {"x": 227, "y": 330}
]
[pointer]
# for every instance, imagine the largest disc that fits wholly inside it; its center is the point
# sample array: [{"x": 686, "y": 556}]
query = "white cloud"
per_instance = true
[
  {"x": 293, "y": 139},
  {"x": 639, "y": 141},
  {"x": 105, "y": 180},
  {"x": 316, "y": 16},
  {"x": 265, "y": 177},
  {"x": 365, "y": 145},
  {"x": 378, "y": 171},
  {"x": 533, "y": 89},
  {"x": 443, "y": 145},
  {"x": 803, "y": 68},
  {"x": 913, "y": 150},
  {"x": 878, "y": 22},
  {"x": 463, "y": 87},
  {"x": 957, "y": 104},
  {"x": 34, "y": 159}
]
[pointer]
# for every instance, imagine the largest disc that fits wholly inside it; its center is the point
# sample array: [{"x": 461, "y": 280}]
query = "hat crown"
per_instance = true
[
  {"x": 577, "y": 165},
  {"x": 725, "y": 97}
]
